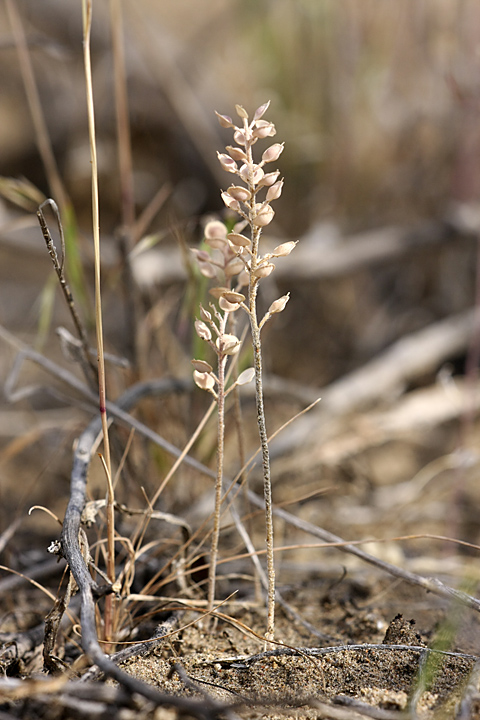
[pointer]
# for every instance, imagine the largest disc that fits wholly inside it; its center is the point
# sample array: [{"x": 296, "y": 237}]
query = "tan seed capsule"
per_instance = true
[
  {"x": 202, "y": 366},
  {"x": 272, "y": 153},
  {"x": 239, "y": 240},
  {"x": 227, "y": 162},
  {"x": 226, "y": 306},
  {"x": 217, "y": 292},
  {"x": 234, "y": 267},
  {"x": 260, "y": 111},
  {"x": 274, "y": 192},
  {"x": 239, "y": 193},
  {"x": 279, "y": 305},
  {"x": 284, "y": 249},
  {"x": 264, "y": 216},
  {"x": 233, "y": 297},
  {"x": 228, "y": 344},
  {"x": 241, "y": 112},
  {"x": 236, "y": 153},
  {"x": 263, "y": 271},
  {"x": 205, "y": 381},
  {"x": 230, "y": 202},
  {"x": 246, "y": 376},
  {"x": 215, "y": 229},
  {"x": 202, "y": 330},
  {"x": 224, "y": 120}
]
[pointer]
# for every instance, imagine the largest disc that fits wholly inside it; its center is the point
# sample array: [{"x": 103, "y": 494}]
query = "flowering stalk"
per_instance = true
[
  {"x": 223, "y": 263},
  {"x": 241, "y": 256}
]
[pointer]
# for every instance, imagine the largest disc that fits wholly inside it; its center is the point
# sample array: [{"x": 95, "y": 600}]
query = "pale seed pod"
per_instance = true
[
  {"x": 239, "y": 137},
  {"x": 269, "y": 178},
  {"x": 284, "y": 249},
  {"x": 224, "y": 120},
  {"x": 274, "y": 192},
  {"x": 207, "y": 270},
  {"x": 264, "y": 216},
  {"x": 217, "y": 292},
  {"x": 215, "y": 229},
  {"x": 263, "y": 271},
  {"x": 202, "y": 330},
  {"x": 279, "y": 305},
  {"x": 257, "y": 174},
  {"x": 204, "y": 380},
  {"x": 228, "y": 344},
  {"x": 205, "y": 315},
  {"x": 236, "y": 153},
  {"x": 230, "y": 202},
  {"x": 234, "y": 267},
  {"x": 227, "y": 162},
  {"x": 233, "y": 297},
  {"x": 226, "y": 306},
  {"x": 200, "y": 255},
  {"x": 202, "y": 366},
  {"x": 241, "y": 112},
  {"x": 239, "y": 193},
  {"x": 273, "y": 152},
  {"x": 217, "y": 243},
  {"x": 264, "y": 129},
  {"x": 260, "y": 111},
  {"x": 239, "y": 240},
  {"x": 246, "y": 376}
]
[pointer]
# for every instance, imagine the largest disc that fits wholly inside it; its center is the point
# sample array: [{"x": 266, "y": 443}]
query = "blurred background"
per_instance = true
[{"x": 378, "y": 104}]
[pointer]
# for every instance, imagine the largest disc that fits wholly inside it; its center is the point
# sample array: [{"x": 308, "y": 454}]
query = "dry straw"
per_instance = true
[{"x": 234, "y": 260}]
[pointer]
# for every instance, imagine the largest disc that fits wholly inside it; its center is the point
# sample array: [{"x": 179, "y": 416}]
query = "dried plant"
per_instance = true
[{"x": 236, "y": 255}]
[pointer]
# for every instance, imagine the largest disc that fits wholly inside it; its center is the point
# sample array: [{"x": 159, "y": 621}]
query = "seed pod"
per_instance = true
[
  {"x": 239, "y": 137},
  {"x": 260, "y": 111},
  {"x": 284, "y": 249},
  {"x": 278, "y": 305},
  {"x": 239, "y": 240},
  {"x": 273, "y": 152},
  {"x": 202, "y": 366},
  {"x": 263, "y": 271},
  {"x": 274, "y": 192},
  {"x": 269, "y": 178},
  {"x": 227, "y": 162},
  {"x": 246, "y": 376},
  {"x": 226, "y": 306},
  {"x": 241, "y": 112},
  {"x": 228, "y": 344},
  {"x": 239, "y": 193},
  {"x": 257, "y": 174},
  {"x": 205, "y": 315},
  {"x": 264, "y": 129},
  {"x": 264, "y": 216},
  {"x": 233, "y": 297},
  {"x": 234, "y": 267},
  {"x": 215, "y": 229},
  {"x": 204, "y": 380},
  {"x": 230, "y": 202},
  {"x": 202, "y": 330},
  {"x": 224, "y": 120},
  {"x": 207, "y": 270},
  {"x": 217, "y": 292},
  {"x": 236, "y": 153}
]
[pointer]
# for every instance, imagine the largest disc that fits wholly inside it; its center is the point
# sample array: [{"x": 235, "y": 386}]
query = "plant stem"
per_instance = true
[
  {"x": 267, "y": 483},
  {"x": 222, "y": 360},
  {"x": 87, "y": 22}
]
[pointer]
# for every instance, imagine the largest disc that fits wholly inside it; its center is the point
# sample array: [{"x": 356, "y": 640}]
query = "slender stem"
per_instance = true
[
  {"x": 87, "y": 23},
  {"x": 267, "y": 482},
  {"x": 262, "y": 428},
  {"x": 222, "y": 361}
]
